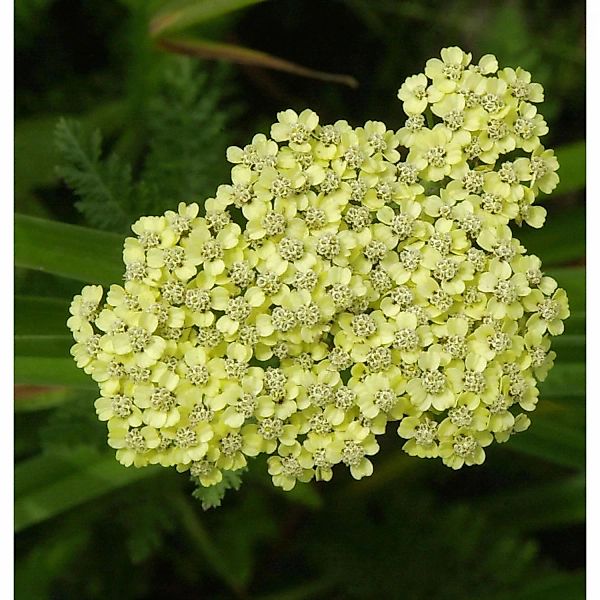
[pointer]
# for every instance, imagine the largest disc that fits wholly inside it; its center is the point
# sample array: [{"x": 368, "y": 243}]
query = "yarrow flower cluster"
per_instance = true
[{"x": 346, "y": 278}]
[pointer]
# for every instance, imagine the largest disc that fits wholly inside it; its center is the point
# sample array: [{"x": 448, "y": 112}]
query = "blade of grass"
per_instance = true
[
  {"x": 552, "y": 441},
  {"x": 571, "y": 158},
  {"x": 35, "y": 315},
  {"x": 551, "y": 243},
  {"x": 570, "y": 347},
  {"x": 49, "y": 346},
  {"x": 191, "y": 522},
  {"x": 46, "y": 486},
  {"x": 56, "y": 552},
  {"x": 36, "y": 370},
  {"x": 186, "y": 13},
  {"x": 575, "y": 324},
  {"x": 563, "y": 502},
  {"x": 574, "y": 281},
  {"x": 565, "y": 379},
  {"x": 68, "y": 250},
  {"x": 246, "y": 56}
]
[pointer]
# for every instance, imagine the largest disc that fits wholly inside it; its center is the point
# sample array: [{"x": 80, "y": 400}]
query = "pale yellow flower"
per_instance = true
[{"x": 343, "y": 279}]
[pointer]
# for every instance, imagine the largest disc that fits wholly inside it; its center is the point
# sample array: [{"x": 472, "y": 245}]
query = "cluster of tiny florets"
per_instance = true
[{"x": 345, "y": 278}]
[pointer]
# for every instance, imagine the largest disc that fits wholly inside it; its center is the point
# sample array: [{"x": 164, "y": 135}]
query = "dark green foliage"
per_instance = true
[
  {"x": 188, "y": 136},
  {"x": 36, "y": 572},
  {"x": 428, "y": 562},
  {"x": 59, "y": 436},
  {"x": 186, "y": 145},
  {"x": 146, "y": 524}
]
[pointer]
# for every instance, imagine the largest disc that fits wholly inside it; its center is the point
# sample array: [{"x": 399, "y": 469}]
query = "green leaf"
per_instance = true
[
  {"x": 103, "y": 186},
  {"x": 242, "y": 528},
  {"x": 198, "y": 534},
  {"x": 147, "y": 525},
  {"x": 571, "y": 158},
  {"x": 212, "y": 496},
  {"x": 557, "y": 432},
  {"x": 36, "y": 156},
  {"x": 70, "y": 251},
  {"x": 73, "y": 425},
  {"x": 37, "y": 370},
  {"x": 34, "y": 161},
  {"x": 575, "y": 324},
  {"x": 508, "y": 37},
  {"x": 40, "y": 327},
  {"x": 29, "y": 283},
  {"x": 563, "y": 503},
  {"x": 186, "y": 13},
  {"x": 35, "y": 315},
  {"x": 49, "y": 485},
  {"x": 246, "y": 56},
  {"x": 572, "y": 279},
  {"x": 570, "y": 347},
  {"x": 564, "y": 379},
  {"x": 188, "y": 118},
  {"x": 552, "y": 440},
  {"x": 49, "y": 346},
  {"x": 52, "y": 555},
  {"x": 568, "y": 410},
  {"x": 561, "y": 240}
]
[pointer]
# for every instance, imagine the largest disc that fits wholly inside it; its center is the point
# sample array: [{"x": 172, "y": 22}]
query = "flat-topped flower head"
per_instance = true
[{"x": 343, "y": 279}]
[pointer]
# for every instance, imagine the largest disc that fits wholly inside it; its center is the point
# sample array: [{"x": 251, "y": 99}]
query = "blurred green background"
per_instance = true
[{"x": 89, "y": 528}]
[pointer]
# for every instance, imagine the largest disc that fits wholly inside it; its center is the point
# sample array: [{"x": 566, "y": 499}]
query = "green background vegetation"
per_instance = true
[{"x": 89, "y": 528}]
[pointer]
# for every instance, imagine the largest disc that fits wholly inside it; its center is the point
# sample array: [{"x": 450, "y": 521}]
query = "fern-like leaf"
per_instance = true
[
  {"x": 211, "y": 497},
  {"x": 104, "y": 187},
  {"x": 187, "y": 131}
]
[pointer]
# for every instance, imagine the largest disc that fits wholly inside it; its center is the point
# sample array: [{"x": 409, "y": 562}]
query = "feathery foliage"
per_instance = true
[
  {"x": 188, "y": 136},
  {"x": 184, "y": 161},
  {"x": 103, "y": 186}
]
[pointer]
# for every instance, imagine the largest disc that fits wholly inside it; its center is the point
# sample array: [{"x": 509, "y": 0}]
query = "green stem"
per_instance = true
[
  {"x": 201, "y": 539},
  {"x": 429, "y": 117}
]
